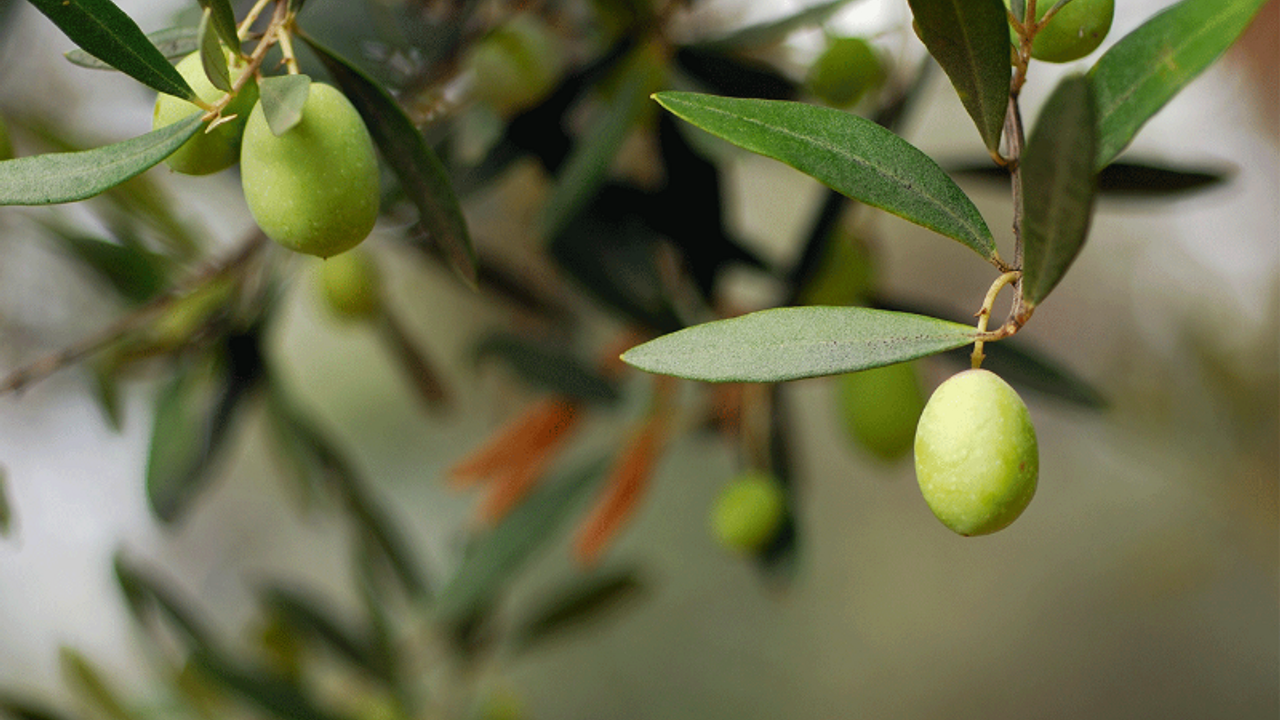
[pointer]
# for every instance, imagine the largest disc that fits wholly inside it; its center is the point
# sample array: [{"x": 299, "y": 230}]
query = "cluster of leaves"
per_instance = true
[{"x": 203, "y": 327}]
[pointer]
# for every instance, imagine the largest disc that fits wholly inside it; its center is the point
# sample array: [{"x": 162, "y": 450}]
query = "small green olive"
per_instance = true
[
  {"x": 976, "y": 455},
  {"x": 208, "y": 151},
  {"x": 515, "y": 65},
  {"x": 314, "y": 188},
  {"x": 1074, "y": 32},
  {"x": 845, "y": 71},
  {"x": 351, "y": 286},
  {"x": 881, "y": 407},
  {"x": 748, "y": 512}
]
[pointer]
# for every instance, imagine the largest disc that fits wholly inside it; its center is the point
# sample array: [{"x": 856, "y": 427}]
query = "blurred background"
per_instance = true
[{"x": 1143, "y": 581}]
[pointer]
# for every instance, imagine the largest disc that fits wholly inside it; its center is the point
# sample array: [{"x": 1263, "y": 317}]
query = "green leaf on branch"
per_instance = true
[
  {"x": 136, "y": 274},
  {"x": 970, "y": 40},
  {"x": 223, "y": 20},
  {"x": 282, "y": 98},
  {"x": 66, "y": 177},
  {"x": 305, "y": 616},
  {"x": 212, "y": 58},
  {"x": 849, "y": 154},
  {"x": 580, "y": 601},
  {"x": 1059, "y": 187},
  {"x": 420, "y": 171},
  {"x": 107, "y": 33},
  {"x": 496, "y": 557},
  {"x": 173, "y": 43},
  {"x": 548, "y": 368},
  {"x": 84, "y": 679},
  {"x": 1147, "y": 67},
  {"x": 775, "y": 31},
  {"x": 792, "y": 343}
]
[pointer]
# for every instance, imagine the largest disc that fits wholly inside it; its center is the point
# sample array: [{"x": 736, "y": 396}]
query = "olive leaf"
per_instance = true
[
  {"x": 69, "y": 176},
  {"x": 107, "y": 33},
  {"x": 800, "y": 342},
  {"x": 173, "y": 43},
  {"x": 223, "y": 20},
  {"x": 212, "y": 58},
  {"x": 282, "y": 98}
]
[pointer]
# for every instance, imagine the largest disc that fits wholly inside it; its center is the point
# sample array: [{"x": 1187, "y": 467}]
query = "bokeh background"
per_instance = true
[{"x": 1143, "y": 581}]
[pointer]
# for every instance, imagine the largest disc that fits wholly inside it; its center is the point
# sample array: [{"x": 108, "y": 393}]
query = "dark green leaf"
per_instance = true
[
  {"x": 295, "y": 6},
  {"x": 223, "y": 20},
  {"x": 193, "y": 415},
  {"x": 581, "y": 601},
  {"x": 422, "y": 176},
  {"x": 725, "y": 74},
  {"x": 67, "y": 177},
  {"x": 1058, "y": 187},
  {"x": 84, "y": 679},
  {"x": 1028, "y": 369},
  {"x": 301, "y": 613},
  {"x": 847, "y": 153},
  {"x": 793, "y": 343},
  {"x": 496, "y": 557},
  {"x": 135, "y": 273},
  {"x": 1129, "y": 180},
  {"x": 6, "y": 510},
  {"x": 548, "y": 367},
  {"x": 1147, "y": 67},
  {"x": 773, "y": 31},
  {"x": 212, "y": 57},
  {"x": 970, "y": 40},
  {"x": 276, "y": 694},
  {"x": 146, "y": 594},
  {"x": 421, "y": 372},
  {"x": 587, "y": 166},
  {"x": 107, "y": 33},
  {"x": 105, "y": 390},
  {"x": 19, "y": 709},
  {"x": 173, "y": 43},
  {"x": 282, "y": 98}
]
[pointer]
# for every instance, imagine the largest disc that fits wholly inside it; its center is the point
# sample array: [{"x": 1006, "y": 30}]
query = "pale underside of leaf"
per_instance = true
[{"x": 793, "y": 343}]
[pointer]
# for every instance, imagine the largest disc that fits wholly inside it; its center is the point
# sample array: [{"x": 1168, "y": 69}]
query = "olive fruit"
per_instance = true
[
  {"x": 515, "y": 65},
  {"x": 350, "y": 284},
  {"x": 209, "y": 150},
  {"x": 976, "y": 454},
  {"x": 748, "y": 512},
  {"x": 313, "y": 188},
  {"x": 844, "y": 72},
  {"x": 1076, "y": 30},
  {"x": 880, "y": 408}
]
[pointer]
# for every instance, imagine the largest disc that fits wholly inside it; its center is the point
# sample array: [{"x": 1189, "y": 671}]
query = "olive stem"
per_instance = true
[
  {"x": 251, "y": 17},
  {"x": 984, "y": 315}
]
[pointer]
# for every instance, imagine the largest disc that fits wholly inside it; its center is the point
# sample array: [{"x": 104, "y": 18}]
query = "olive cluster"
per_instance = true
[{"x": 313, "y": 188}]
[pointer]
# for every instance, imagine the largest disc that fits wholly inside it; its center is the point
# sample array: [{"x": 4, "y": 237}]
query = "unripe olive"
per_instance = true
[
  {"x": 516, "y": 64},
  {"x": 351, "y": 285},
  {"x": 1075, "y": 31},
  {"x": 314, "y": 188},
  {"x": 748, "y": 512},
  {"x": 880, "y": 408},
  {"x": 218, "y": 149},
  {"x": 845, "y": 71},
  {"x": 976, "y": 455}
]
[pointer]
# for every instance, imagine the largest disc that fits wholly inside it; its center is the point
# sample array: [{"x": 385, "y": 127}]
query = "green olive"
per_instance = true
[
  {"x": 976, "y": 455},
  {"x": 314, "y": 188},
  {"x": 209, "y": 151},
  {"x": 881, "y": 407},
  {"x": 351, "y": 286},
  {"x": 515, "y": 65},
  {"x": 748, "y": 512},
  {"x": 1074, "y": 31},
  {"x": 845, "y": 71}
]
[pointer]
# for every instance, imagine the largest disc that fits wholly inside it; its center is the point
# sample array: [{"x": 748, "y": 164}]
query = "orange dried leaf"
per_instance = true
[
  {"x": 536, "y": 428},
  {"x": 623, "y": 490},
  {"x": 511, "y": 486}
]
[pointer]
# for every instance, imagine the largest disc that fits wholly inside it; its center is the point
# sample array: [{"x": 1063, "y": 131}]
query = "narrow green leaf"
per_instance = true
[
  {"x": 1137, "y": 180},
  {"x": 586, "y": 168},
  {"x": 496, "y": 557},
  {"x": 849, "y": 154},
  {"x": 136, "y": 274},
  {"x": 85, "y": 679},
  {"x": 278, "y": 695},
  {"x": 146, "y": 593},
  {"x": 1026, "y": 368},
  {"x": 1147, "y": 67},
  {"x": 970, "y": 40},
  {"x": 107, "y": 33},
  {"x": 223, "y": 20},
  {"x": 67, "y": 177},
  {"x": 305, "y": 616},
  {"x": 6, "y": 510},
  {"x": 773, "y": 31},
  {"x": 21, "y": 709},
  {"x": 796, "y": 342},
  {"x": 282, "y": 98},
  {"x": 581, "y": 601},
  {"x": 1058, "y": 187},
  {"x": 173, "y": 43},
  {"x": 421, "y": 173},
  {"x": 212, "y": 58},
  {"x": 548, "y": 368}
]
